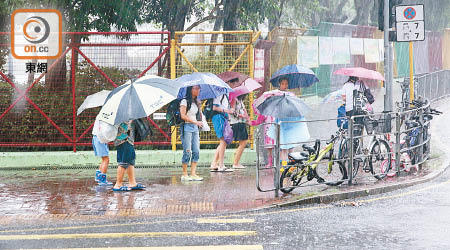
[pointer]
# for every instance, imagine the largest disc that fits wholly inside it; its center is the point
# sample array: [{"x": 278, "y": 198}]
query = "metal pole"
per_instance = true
[
  {"x": 397, "y": 144},
  {"x": 251, "y": 69},
  {"x": 276, "y": 176},
  {"x": 173, "y": 75},
  {"x": 420, "y": 142},
  {"x": 411, "y": 72},
  {"x": 387, "y": 84},
  {"x": 350, "y": 151}
]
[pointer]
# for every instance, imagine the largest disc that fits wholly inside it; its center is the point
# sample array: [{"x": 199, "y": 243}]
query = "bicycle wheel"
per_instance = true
[
  {"x": 290, "y": 178},
  {"x": 331, "y": 175},
  {"x": 380, "y": 159}
]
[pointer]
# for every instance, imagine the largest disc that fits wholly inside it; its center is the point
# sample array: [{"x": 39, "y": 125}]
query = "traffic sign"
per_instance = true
[
  {"x": 410, "y": 24},
  {"x": 410, "y": 31},
  {"x": 408, "y": 13}
]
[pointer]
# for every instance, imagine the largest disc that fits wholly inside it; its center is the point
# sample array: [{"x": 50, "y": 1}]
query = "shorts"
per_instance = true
[
  {"x": 126, "y": 155},
  {"x": 100, "y": 149},
  {"x": 218, "y": 122},
  {"x": 239, "y": 131}
]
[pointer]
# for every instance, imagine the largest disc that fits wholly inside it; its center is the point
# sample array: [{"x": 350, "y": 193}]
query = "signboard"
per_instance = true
[
  {"x": 258, "y": 73},
  {"x": 410, "y": 24},
  {"x": 159, "y": 116}
]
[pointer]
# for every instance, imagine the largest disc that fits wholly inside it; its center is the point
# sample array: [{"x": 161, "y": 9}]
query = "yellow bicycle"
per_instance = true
[{"x": 305, "y": 166}]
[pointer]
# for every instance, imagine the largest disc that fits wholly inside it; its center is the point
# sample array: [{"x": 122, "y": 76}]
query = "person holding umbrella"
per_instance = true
[
  {"x": 190, "y": 139},
  {"x": 292, "y": 132}
]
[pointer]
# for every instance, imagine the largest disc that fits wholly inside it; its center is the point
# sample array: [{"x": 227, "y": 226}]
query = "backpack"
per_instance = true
[
  {"x": 142, "y": 129},
  {"x": 342, "y": 120},
  {"x": 208, "y": 111},
  {"x": 173, "y": 115}
]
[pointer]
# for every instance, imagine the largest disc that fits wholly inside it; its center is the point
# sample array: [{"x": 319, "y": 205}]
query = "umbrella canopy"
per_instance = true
[
  {"x": 211, "y": 86},
  {"x": 360, "y": 72},
  {"x": 334, "y": 96},
  {"x": 230, "y": 75},
  {"x": 94, "y": 100},
  {"x": 298, "y": 76},
  {"x": 283, "y": 106},
  {"x": 266, "y": 95},
  {"x": 138, "y": 99},
  {"x": 247, "y": 86}
]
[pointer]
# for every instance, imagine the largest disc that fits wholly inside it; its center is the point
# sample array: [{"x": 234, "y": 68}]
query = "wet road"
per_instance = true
[{"x": 414, "y": 218}]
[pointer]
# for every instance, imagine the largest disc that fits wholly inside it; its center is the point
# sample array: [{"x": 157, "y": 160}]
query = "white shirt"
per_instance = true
[
  {"x": 96, "y": 128},
  {"x": 239, "y": 110},
  {"x": 192, "y": 112},
  {"x": 222, "y": 103},
  {"x": 348, "y": 92}
]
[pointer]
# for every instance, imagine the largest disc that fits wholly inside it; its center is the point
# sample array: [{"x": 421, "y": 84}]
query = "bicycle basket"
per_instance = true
[{"x": 377, "y": 124}]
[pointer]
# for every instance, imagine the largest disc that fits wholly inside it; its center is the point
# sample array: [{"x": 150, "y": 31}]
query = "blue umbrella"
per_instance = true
[
  {"x": 298, "y": 76},
  {"x": 283, "y": 106},
  {"x": 211, "y": 86}
]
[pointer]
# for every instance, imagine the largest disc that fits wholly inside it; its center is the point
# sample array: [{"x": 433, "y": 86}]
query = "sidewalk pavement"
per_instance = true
[{"x": 51, "y": 194}]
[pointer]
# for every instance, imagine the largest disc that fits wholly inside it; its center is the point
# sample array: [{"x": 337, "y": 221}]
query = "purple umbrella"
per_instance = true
[{"x": 246, "y": 87}]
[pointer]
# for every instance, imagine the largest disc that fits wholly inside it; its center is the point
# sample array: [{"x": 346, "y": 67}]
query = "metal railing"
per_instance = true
[{"x": 391, "y": 130}]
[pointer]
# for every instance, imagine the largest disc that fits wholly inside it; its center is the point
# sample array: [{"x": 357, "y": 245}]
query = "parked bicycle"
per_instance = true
[
  {"x": 376, "y": 158},
  {"x": 303, "y": 167}
]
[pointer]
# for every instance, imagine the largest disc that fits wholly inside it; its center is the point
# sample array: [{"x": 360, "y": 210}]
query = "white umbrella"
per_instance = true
[
  {"x": 138, "y": 99},
  {"x": 94, "y": 100}
]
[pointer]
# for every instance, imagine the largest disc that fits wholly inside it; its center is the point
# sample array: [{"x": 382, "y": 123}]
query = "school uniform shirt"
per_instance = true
[
  {"x": 348, "y": 92},
  {"x": 222, "y": 101},
  {"x": 192, "y": 112},
  {"x": 239, "y": 110}
]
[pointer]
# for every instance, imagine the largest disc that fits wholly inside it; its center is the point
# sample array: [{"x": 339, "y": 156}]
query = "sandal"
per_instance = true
[
  {"x": 122, "y": 189},
  {"x": 138, "y": 186}
]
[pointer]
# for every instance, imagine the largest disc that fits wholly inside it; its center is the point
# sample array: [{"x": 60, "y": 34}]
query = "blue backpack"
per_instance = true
[{"x": 342, "y": 120}]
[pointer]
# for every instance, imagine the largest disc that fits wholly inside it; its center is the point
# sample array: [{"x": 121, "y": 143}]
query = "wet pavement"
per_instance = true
[{"x": 40, "y": 195}]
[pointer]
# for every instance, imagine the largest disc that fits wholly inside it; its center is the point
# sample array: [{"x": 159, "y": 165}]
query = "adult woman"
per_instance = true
[
  {"x": 349, "y": 87},
  {"x": 239, "y": 120},
  {"x": 190, "y": 139},
  {"x": 292, "y": 134}
]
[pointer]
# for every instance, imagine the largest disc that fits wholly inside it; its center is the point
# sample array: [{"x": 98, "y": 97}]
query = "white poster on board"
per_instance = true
[
  {"x": 325, "y": 50},
  {"x": 308, "y": 51},
  {"x": 356, "y": 46},
  {"x": 341, "y": 50},
  {"x": 371, "y": 51}
]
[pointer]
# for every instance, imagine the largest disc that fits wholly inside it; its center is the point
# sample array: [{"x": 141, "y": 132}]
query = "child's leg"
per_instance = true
[
  {"x": 239, "y": 151},
  {"x": 120, "y": 174},
  {"x": 104, "y": 164},
  {"x": 131, "y": 176}
]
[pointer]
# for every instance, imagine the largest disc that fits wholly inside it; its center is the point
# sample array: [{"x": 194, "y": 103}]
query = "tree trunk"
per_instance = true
[
  {"x": 230, "y": 22},
  {"x": 217, "y": 25},
  {"x": 362, "y": 13}
]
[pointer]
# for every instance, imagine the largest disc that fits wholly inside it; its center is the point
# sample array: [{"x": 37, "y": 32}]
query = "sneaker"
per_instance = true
[
  {"x": 103, "y": 181},
  {"x": 186, "y": 178},
  {"x": 196, "y": 178},
  {"x": 239, "y": 166},
  {"x": 97, "y": 173}
]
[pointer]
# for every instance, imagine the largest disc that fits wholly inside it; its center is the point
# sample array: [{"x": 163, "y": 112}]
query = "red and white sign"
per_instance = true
[{"x": 258, "y": 73}]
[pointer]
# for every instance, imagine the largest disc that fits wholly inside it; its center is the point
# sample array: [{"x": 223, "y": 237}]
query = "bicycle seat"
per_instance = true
[
  {"x": 297, "y": 157},
  {"x": 411, "y": 124},
  {"x": 308, "y": 148}
]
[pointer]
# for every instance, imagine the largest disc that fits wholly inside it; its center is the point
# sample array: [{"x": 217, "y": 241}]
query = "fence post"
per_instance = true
[
  {"x": 420, "y": 142},
  {"x": 397, "y": 144},
  {"x": 250, "y": 65},
  {"x": 173, "y": 75},
  {"x": 350, "y": 151},
  {"x": 276, "y": 176},
  {"x": 74, "y": 110}
]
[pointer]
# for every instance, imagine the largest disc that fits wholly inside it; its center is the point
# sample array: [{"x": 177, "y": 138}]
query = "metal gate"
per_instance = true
[{"x": 39, "y": 98}]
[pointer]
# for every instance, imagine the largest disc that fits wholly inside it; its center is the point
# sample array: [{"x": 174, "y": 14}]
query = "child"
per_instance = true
[
  {"x": 126, "y": 157},
  {"x": 100, "y": 150}
]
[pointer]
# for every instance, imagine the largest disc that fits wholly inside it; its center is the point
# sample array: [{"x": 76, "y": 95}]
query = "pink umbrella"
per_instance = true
[
  {"x": 360, "y": 72},
  {"x": 246, "y": 87}
]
